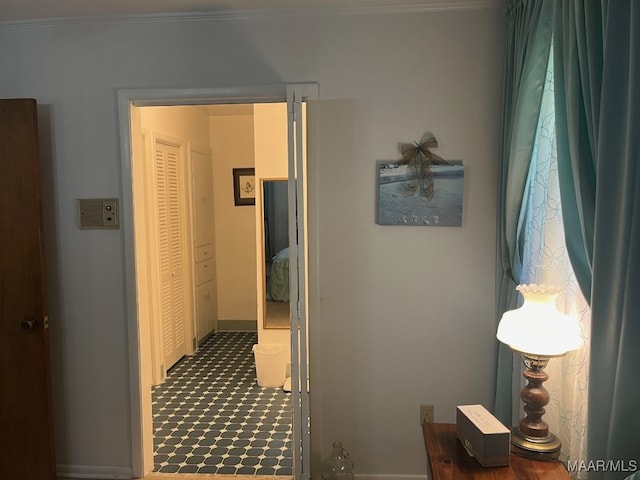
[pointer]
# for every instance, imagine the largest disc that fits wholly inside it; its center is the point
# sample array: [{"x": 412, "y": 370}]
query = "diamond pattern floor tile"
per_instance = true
[{"x": 210, "y": 415}]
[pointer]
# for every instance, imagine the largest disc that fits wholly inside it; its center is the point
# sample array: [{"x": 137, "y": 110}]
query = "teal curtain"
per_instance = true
[
  {"x": 597, "y": 66},
  {"x": 578, "y": 50},
  {"x": 527, "y": 52}
]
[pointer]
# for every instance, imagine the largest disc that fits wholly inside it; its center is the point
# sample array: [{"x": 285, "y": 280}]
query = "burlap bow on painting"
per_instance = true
[{"x": 419, "y": 158}]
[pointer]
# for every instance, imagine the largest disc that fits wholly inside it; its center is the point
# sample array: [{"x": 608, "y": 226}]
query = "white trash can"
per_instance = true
[{"x": 271, "y": 364}]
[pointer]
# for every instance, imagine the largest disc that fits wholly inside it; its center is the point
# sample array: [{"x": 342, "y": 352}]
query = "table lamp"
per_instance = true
[{"x": 538, "y": 332}]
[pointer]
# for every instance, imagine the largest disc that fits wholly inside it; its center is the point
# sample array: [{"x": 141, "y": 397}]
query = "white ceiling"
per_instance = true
[{"x": 23, "y": 10}]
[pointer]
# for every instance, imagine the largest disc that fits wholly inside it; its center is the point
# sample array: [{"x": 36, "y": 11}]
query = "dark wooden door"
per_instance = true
[{"x": 26, "y": 423}]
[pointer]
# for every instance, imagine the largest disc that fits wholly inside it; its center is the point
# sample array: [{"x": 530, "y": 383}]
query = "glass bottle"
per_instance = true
[{"x": 338, "y": 465}]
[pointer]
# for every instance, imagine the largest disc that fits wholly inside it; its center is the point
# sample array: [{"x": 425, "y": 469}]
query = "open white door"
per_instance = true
[{"x": 298, "y": 285}]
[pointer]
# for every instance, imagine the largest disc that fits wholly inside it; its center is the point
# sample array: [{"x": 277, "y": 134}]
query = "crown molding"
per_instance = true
[{"x": 245, "y": 14}]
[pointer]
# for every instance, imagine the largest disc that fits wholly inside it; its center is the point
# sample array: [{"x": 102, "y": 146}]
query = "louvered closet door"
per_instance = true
[{"x": 170, "y": 248}]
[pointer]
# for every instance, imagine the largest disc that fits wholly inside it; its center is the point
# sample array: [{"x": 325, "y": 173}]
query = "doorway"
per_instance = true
[
  {"x": 140, "y": 351},
  {"x": 209, "y": 415}
]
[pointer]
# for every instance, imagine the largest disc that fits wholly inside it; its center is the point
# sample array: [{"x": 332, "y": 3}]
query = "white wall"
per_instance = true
[
  {"x": 190, "y": 124},
  {"x": 232, "y": 147},
  {"x": 270, "y": 143},
  {"x": 399, "y": 316}
]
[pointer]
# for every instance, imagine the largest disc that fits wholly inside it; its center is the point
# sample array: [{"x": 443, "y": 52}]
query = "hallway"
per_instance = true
[{"x": 210, "y": 416}]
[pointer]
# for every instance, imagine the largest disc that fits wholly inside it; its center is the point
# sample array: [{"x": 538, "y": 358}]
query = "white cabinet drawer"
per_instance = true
[
  {"x": 204, "y": 253},
  {"x": 204, "y": 272},
  {"x": 205, "y": 300},
  {"x": 206, "y": 306}
]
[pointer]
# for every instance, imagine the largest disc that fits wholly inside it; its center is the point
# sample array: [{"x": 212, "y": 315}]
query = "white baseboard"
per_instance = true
[
  {"x": 93, "y": 472},
  {"x": 237, "y": 326},
  {"x": 366, "y": 476}
]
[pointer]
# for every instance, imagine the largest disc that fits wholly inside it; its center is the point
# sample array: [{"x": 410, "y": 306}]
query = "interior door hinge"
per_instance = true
[{"x": 45, "y": 322}]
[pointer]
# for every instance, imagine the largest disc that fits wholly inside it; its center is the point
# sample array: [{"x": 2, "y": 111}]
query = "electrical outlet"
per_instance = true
[{"x": 426, "y": 414}]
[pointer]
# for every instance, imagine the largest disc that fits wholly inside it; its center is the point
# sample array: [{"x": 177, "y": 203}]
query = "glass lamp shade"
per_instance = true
[{"x": 537, "y": 327}]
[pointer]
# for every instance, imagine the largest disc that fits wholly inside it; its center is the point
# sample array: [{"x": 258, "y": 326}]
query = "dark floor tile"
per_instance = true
[{"x": 210, "y": 413}]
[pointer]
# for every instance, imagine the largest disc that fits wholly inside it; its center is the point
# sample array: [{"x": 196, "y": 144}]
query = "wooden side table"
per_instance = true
[{"x": 448, "y": 460}]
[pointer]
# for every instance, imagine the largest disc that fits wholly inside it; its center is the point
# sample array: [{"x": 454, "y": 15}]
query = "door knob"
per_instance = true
[{"x": 29, "y": 324}]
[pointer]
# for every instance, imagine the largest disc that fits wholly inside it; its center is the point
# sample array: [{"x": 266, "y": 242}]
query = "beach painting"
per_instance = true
[{"x": 402, "y": 199}]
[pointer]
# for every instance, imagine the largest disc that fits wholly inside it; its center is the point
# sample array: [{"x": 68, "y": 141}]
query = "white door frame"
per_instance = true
[
  {"x": 298, "y": 260},
  {"x": 141, "y": 424}
]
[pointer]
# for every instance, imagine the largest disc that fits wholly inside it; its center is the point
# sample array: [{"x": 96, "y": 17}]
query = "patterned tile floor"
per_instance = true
[{"x": 210, "y": 415}]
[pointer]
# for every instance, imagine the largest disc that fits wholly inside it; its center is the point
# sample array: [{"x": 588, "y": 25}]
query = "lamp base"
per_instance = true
[{"x": 544, "y": 449}]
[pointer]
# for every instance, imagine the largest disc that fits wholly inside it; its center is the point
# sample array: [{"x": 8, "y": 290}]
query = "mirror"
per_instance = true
[{"x": 275, "y": 231}]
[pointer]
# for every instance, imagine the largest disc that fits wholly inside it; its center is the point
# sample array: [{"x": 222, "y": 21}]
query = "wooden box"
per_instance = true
[{"x": 483, "y": 436}]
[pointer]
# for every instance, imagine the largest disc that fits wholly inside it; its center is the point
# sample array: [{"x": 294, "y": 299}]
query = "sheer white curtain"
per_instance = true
[{"x": 546, "y": 261}]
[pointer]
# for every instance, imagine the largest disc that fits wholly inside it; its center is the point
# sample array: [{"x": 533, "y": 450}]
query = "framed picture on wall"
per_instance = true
[
  {"x": 420, "y": 197},
  {"x": 244, "y": 186}
]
